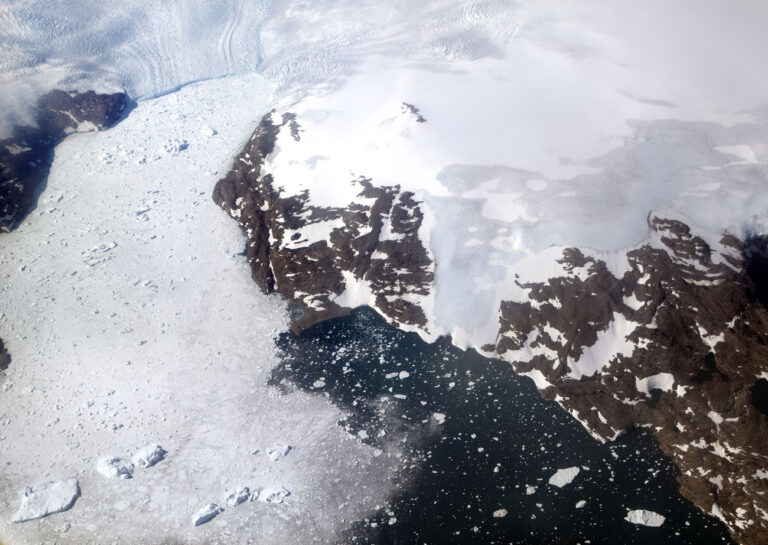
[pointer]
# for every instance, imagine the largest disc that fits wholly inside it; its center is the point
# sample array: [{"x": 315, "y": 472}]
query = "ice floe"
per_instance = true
[
  {"x": 564, "y": 476},
  {"x": 47, "y": 498}
]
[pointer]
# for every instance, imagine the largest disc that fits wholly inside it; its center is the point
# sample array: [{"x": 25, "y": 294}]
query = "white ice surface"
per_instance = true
[
  {"x": 133, "y": 321},
  {"x": 564, "y": 476},
  {"x": 148, "y": 456},
  {"x": 644, "y": 517},
  {"x": 45, "y": 499},
  {"x": 114, "y": 467}
]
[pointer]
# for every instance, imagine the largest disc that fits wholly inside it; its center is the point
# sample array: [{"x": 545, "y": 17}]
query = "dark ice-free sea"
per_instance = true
[{"x": 493, "y": 453}]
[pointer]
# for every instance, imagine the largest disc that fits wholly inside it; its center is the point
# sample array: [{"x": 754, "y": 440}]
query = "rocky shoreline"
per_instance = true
[
  {"x": 676, "y": 345},
  {"x": 25, "y": 157}
]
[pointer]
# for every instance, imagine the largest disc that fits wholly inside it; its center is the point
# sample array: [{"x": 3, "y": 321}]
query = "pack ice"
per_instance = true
[
  {"x": 47, "y": 498},
  {"x": 148, "y": 456},
  {"x": 115, "y": 467},
  {"x": 206, "y": 514}
]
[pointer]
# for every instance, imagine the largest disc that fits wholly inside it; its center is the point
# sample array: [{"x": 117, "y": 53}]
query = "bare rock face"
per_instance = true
[
  {"x": 372, "y": 245},
  {"x": 25, "y": 158},
  {"x": 678, "y": 345}
]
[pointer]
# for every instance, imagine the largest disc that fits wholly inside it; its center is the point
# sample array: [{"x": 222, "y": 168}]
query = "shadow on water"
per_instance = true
[{"x": 493, "y": 453}]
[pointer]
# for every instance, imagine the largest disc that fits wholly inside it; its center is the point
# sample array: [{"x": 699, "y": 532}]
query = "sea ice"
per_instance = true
[
  {"x": 148, "y": 456},
  {"x": 207, "y": 514},
  {"x": 278, "y": 451},
  {"x": 237, "y": 496},
  {"x": 272, "y": 495},
  {"x": 644, "y": 517},
  {"x": 47, "y": 498},
  {"x": 115, "y": 468},
  {"x": 563, "y": 477}
]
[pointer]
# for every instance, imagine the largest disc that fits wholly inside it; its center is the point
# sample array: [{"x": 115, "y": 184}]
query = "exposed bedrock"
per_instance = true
[
  {"x": 678, "y": 343},
  {"x": 25, "y": 157},
  {"x": 372, "y": 245}
]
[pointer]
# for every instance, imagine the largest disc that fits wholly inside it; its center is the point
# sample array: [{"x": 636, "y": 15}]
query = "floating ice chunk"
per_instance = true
[
  {"x": 115, "y": 468},
  {"x": 530, "y": 490},
  {"x": 278, "y": 451},
  {"x": 646, "y": 518},
  {"x": 563, "y": 477},
  {"x": 207, "y": 514},
  {"x": 580, "y": 504},
  {"x": 47, "y": 498},
  {"x": 148, "y": 456},
  {"x": 500, "y": 513},
  {"x": 439, "y": 417},
  {"x": 272, "y": 495},
  {"x": 237, "y": 496},
  {"x": 404, "y": 375}
]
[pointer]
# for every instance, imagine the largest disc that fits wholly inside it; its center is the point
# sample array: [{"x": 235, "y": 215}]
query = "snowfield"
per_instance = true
[{"x": 134, "y": 331}]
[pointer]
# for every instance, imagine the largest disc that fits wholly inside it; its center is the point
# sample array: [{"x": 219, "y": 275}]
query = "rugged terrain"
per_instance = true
[
  {"x": 315, "y": 255},
  {"x": 25, "y": 157},
  {"x": 677, "y": 344}
]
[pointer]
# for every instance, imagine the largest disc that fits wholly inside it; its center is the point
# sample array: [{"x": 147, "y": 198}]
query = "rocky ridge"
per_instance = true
[
  {"x": 314, "y": 255},
  {"x": 25, "y": 157},
  {"x": 676, "y": 344}
]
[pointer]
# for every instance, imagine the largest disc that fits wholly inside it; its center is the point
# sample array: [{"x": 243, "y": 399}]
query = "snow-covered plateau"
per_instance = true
[{"x": 575, "y": 188}]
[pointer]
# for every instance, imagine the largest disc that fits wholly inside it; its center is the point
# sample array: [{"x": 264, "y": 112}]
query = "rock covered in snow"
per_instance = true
[
  {"x": 148, "y": 456},
  {"x": 645, "y": 518},
  {"x": 206, "y": 514},
  {"x": 47, "y": 498},
  {"x": 272, "y": 495},
  {"x": 368, "y": 253},
  {"x": 114, "y": 467},
  {"x": 564, "y": 476},
  {"x": 237, "y": 496}
]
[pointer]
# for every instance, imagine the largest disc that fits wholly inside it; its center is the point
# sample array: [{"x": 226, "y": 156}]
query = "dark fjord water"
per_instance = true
[{"x": 499, "y": 441}]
